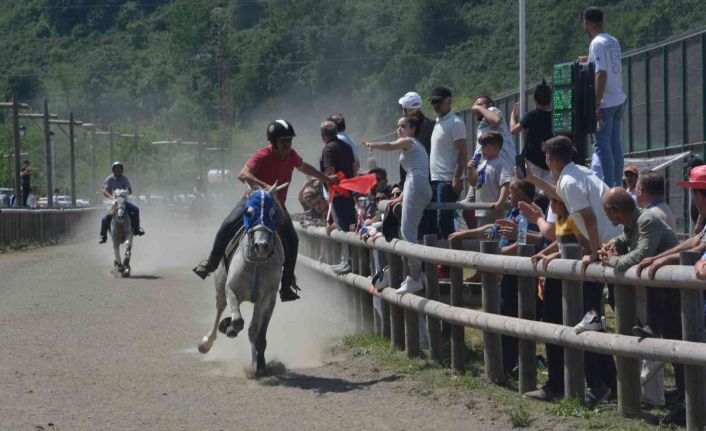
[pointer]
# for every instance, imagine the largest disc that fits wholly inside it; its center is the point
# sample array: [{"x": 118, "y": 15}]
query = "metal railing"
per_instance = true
[{"x": 398, "y": 319}]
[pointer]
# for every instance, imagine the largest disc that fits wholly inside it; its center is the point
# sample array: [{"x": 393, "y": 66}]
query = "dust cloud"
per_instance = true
[{"x": 301, "y": 333}]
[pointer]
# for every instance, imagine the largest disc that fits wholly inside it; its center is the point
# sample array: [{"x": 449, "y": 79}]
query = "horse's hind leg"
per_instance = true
[
  {"x": 257, "y": 331},
  {"x": 221, "y": 302}
]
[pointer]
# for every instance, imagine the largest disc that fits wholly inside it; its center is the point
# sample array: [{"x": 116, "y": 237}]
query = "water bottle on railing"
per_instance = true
[{"x": 521, "y": 230}]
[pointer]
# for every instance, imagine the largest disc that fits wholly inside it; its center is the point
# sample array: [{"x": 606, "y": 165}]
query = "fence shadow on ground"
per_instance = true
[{"x": 323, "y": 385}]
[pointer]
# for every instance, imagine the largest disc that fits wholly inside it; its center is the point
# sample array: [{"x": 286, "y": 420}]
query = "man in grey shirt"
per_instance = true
[
  {"x": 115, "y": 182},
  {"x": 649, "y": 194}
]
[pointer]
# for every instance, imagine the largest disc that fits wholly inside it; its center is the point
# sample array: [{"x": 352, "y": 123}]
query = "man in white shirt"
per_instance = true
[
  {"x": 447, "y": 160},
  {"x": 490, "y": 119},
  {"x": 605, "y": 53}
]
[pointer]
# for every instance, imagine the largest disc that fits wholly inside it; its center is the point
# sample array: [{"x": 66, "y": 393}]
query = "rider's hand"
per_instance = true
[{"x": 332, "y": 179}]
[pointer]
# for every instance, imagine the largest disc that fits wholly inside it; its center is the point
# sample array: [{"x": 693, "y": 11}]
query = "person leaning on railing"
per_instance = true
[{"x": 697, "y": 184}]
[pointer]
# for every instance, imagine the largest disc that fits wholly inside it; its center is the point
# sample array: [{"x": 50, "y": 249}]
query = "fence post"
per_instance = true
[
  {"x": 527, "y": 301},
  {"x": 433, "y": 324},
  {"x": 458, "y": 342},
  {"x": 692, "y": 321},
  {"x": 572, "y": 311},
  {"x": 352, "y": 302},
  {"x": 396, "y": 313},
  {"x": 366, "y": 301},
  {"x": 492, "y": 348},
  {"x": 629, "y": 392}
]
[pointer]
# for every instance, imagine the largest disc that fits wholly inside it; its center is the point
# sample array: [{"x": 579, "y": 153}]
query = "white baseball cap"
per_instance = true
[{"x": 411, "y": 100}]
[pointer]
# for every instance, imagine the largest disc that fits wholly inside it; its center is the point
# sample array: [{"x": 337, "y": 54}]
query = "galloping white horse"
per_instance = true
[
  {"x": 252, "y": 273},
  {"x": 121, "y": 232}
]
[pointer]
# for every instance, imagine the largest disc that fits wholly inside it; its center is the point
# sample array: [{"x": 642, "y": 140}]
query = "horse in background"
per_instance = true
[
  {"x": 251, "y": 273},
  {"x": 120, "y": 232}
]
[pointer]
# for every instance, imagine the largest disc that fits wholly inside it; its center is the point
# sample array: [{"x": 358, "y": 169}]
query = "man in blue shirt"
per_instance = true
[{"x": 115, "y": 182}]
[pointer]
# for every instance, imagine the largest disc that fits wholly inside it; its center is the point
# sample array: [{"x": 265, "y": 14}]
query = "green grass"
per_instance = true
[
  {"x": 519, "y": 413},
  {"x": 15, "y": 246}
]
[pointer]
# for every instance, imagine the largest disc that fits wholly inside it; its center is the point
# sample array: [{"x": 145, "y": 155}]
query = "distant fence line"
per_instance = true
[
  {"x": 45, "y": 224},
  {"x": 399, "y": 321}
]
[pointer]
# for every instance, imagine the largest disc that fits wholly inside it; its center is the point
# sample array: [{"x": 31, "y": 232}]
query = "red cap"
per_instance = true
[
  {"x": 697, "y": 179},
  {"x": 632, "y": 169}
]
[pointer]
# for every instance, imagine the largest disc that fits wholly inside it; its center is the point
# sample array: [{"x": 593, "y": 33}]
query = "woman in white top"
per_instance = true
[{"x": 417, "y": 191}]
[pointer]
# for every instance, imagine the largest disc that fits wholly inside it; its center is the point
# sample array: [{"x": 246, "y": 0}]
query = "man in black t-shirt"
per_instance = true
[
  {"x": 538, "y": 124},
  {"x": 337, "y": 156}
]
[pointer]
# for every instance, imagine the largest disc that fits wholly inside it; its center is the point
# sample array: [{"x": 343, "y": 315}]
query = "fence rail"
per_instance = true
[
  {"x": 398, "y": 320},
  {"x": 45, "y": 224}
]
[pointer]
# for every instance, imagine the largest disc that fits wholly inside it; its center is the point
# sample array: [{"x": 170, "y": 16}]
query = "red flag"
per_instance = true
[{"x": 362, "y": 184}]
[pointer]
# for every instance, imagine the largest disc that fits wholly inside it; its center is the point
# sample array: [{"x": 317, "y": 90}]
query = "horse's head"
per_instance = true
[
  {"x": 261, "y": 216},
  {"x": 120, "y": 203}
]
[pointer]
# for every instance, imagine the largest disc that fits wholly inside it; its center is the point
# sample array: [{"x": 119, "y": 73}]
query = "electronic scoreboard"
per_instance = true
[{"x": 573, "y": 99}]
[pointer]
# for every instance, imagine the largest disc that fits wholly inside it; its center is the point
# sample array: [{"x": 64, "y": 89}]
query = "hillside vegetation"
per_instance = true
[{"x": 159, "y": 63}]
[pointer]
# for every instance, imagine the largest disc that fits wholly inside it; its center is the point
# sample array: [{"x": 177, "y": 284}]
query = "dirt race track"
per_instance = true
[{"x": 82, "y": 350}]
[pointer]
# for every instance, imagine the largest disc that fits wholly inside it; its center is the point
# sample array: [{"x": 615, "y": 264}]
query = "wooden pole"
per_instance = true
[
  {"x": 492, "y": 347},
  {"x": 527, "y": 309},
  {"x": 136, "y": 158},
  {"x": 93, "y": 188},
  {"x": 572, "y": 309},
  {"x": 16, "y": 140},
  {"x": 433, "y": 324},
  {"x": 110, "y": 149},
  {"x": 458, "y": 341},
  {"x": 48, "y": 158},
  {"x": 629, "y": 392},
  {"x": 72, "y": 155},
  {"x": 692, "y": 321},
  {"x": 396, "y": 313},
  {"x": 366, "y": 303},
  {"x": 352, "y": 294},
  {"x": 411, "y": 329}
]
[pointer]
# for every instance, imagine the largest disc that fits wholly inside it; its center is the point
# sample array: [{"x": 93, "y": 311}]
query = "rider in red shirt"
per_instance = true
[{"x": 276, "y": 162}]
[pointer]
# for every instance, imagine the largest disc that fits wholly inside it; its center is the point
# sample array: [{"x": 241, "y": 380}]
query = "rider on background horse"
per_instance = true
[
  {"x": 115, "y": 182},
  {"x": 273, "y": 163}
]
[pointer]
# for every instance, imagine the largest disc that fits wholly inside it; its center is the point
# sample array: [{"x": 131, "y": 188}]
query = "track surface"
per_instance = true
[{"x": 83, "y": 350}]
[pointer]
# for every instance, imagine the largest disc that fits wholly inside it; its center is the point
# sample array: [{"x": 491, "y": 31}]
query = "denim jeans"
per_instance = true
[
  {"x": 607, "y": 161},
  {"x": 442, "y": 191}
]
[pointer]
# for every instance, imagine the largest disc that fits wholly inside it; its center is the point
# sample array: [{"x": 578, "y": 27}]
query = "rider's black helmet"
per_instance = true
[{"x": 279, "y": 129}]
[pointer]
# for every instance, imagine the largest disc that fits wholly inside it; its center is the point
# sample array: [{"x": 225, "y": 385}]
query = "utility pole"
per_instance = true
[
  {"x": 136, "y": 159},
  {"x": 523, "y": 71},
  {"x": 110, "y": 148},
  {"x": 16, "y": 138},
  {"x": 48, "y": 157},
  {"x": 73, "y": 159}
]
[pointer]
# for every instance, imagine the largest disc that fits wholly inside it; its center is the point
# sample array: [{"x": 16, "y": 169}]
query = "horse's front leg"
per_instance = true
[
  {"x": 116, "y": 252},
  {"x": 221, "y": 302},
  {"x": 257, "y": 331},
  {"x": 128, "y": 251},
  {"x": 236, "y": 321}
]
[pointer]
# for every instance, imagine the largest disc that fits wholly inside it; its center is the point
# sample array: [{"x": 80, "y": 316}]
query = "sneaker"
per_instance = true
[
  {"x": 343, "y": 268},
  {"x": 593, "y": 396},
  {"x": 410, "y": 285},
  {"x": 102, "y": 239},
  {"x": 545, "y": 393},
  {"x": 381, "y": 280},
  {"x": 643, "y": 331},
  {"x": 591, "y": 322},
  {"x": 203, "y": 269}
]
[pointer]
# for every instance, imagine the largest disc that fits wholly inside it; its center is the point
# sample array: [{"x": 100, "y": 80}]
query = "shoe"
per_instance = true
[
  {"x": 545, "y": 393},
  {"x": 442, "y": 271},
  {"x": 139, "y": 232},
  {"x": 410, "y": 285},
  {"x": 102, "y": 239},
  {"x": 593, "y": 396},
  {"x": 643, "y": 331},
  {"x": 203, "y": 269},
  {"x": 342, "y": 268},
  {"x": 381, "y": 280},
  {"x": 676, "y": 416},
  {"x": 289, "y": 293},
  {"x": 591, "y": 322}
]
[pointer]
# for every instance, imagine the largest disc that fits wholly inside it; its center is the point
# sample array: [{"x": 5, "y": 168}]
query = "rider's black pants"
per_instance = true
[
  {"x": 132, "y": 211},
  {"x": 232, "y": 224}
]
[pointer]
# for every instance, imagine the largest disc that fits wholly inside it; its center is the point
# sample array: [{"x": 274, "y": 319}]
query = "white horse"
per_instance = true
[
  {"x": 252, "y": 273},
  {"x": 120, "y": 232}
]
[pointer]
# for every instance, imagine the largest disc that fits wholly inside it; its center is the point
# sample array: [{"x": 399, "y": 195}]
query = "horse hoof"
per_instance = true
[
  {"x": 205, "y": 345},
  {"x": 224, "y": 325},
  {"x": 235, "y": 328}
]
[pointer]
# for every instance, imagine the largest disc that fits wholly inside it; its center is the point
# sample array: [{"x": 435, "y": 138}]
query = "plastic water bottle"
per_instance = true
[
  {"x": 476, "y": 160},
  {"x": 521, "y": 230}
]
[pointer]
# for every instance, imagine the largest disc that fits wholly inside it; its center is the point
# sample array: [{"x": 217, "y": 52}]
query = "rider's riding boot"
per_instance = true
[
  {"x": 103, "y": 239},
  {"x": 139, "y": 232},
  {"x": 288, "y": 293},
  {"x": 205, "y": 268}
]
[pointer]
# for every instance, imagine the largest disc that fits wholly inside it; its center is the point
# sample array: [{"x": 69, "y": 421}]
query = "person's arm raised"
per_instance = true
[
  {"x": 400, "y": 144},
  {"x": 311, "y": 171}
]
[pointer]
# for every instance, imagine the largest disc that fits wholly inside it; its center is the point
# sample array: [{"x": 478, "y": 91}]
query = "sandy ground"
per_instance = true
[{"x": 82, "y": 350}]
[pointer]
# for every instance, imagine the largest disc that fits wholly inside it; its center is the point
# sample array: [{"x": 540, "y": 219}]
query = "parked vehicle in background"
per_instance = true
[
  {"x": 64, "y": 201},
  {"x": 5, "y": 194}
]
